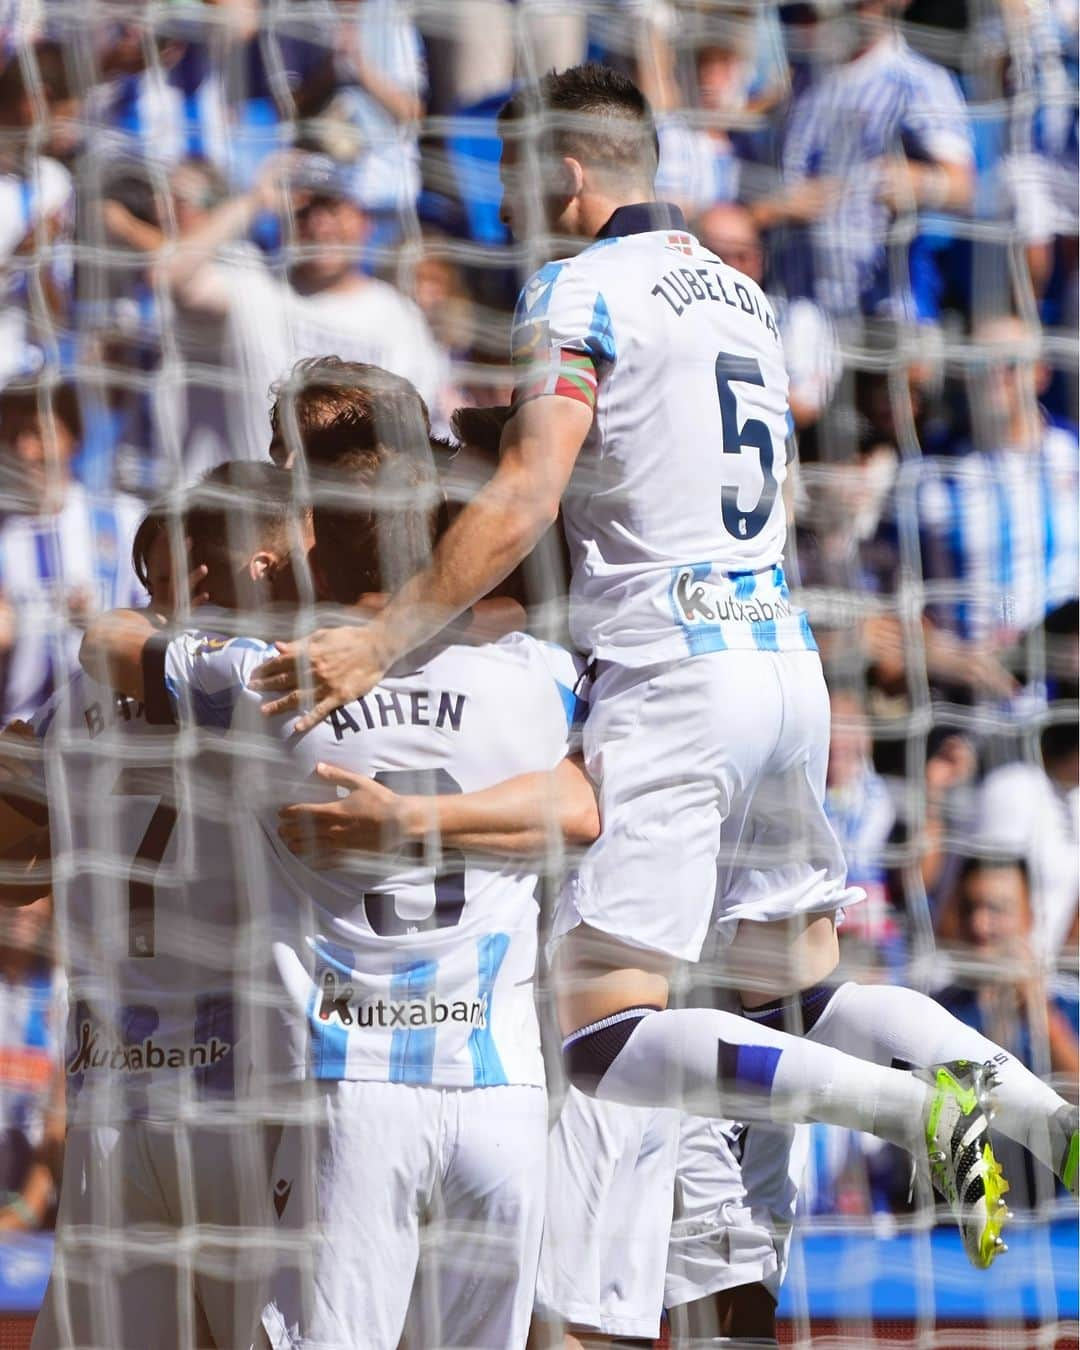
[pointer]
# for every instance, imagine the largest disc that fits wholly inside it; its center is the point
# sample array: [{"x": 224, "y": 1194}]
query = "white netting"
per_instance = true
[{"x": 195, "y": 197}]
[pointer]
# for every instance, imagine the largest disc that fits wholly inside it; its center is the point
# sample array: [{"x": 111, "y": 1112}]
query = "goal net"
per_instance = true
[{"x": 239, "y": 235}]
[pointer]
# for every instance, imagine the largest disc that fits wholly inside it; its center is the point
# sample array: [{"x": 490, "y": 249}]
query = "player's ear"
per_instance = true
[
  {"x": 262, "y": 565},
  {"x": 570, "y": 178}
]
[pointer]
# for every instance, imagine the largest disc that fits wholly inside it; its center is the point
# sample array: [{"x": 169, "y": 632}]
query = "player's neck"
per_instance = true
[{"x": 596, "y": 209}]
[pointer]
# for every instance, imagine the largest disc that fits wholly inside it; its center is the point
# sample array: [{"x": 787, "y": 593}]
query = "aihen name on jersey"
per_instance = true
[
  {"x": 339, "y": 1000},
  {"x": 682, "y": 286},
  {"x": 409, "y": 708},
  {"x": 96, "y": 1052}
]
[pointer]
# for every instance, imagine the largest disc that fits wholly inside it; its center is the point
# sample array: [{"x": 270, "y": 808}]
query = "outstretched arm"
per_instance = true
[
  {"x": 489, "y": 538},
  {"x": 24, "y": 819},
  {"x": 113, "y": 646},
  {"x": 516, "y": 818}
]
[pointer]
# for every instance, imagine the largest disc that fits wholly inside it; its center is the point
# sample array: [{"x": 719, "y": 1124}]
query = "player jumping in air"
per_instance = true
[{"x": 653, "y": 405}]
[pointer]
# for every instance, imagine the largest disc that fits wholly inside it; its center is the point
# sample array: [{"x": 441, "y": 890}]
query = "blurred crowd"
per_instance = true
[{"x": 194, "y": 196}]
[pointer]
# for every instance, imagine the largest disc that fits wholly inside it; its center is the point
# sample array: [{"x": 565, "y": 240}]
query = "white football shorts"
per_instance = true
[
  {"x": 736, "y": 1188},
  {"x": 611, "y": 1172},
  {"x": 409, "y": 1210},
  {"x": 650, "y": 1209},
  {"x": 711, "y": 775},
  {"x": 158, "y": 1238}
]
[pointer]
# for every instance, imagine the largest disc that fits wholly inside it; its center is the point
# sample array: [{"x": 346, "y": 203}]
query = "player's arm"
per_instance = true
[
  {"x": 494, "y": 533},
  {"x": 515, "y": 818},
  {"x": 114, "y": 647},
  {"x": 24, "y": 819}
]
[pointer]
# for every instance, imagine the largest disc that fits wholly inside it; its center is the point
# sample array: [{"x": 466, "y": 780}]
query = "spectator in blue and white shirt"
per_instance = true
[
  {"x": 36, "y": 216},
  {"x": 999, "y": 523},
  {"x": 64, "y": 552},
  {"x": 360, "y": 71},
  {"x": 880, "y": 135}
]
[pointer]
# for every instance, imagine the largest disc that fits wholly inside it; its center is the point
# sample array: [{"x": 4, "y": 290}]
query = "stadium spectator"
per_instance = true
[
  {"x": 1000, "y": 988},
  {"x": 175, "y": 87},
  {"x": 473, "y": 46},
  {"x": 861, "y": 811},
  {"x": 999, "y": 520},
  {"x": 191, "y": 422},
  {"x": 811, "y": 350},
  {"x": 882, "y": 134},
  {"x": 700, "y": 163},
  {"x": 63, "y": 549},
  {"x": 989, "y": 924},
  {"x": 951, "y": 766},
  {"x": 323, "y": 304},
  {"x": 31, "y": 1069},
  {"x": 358, "y": 72},
  {"x": 1033, "y": 812},
  {"x": 37, "y": 210}
]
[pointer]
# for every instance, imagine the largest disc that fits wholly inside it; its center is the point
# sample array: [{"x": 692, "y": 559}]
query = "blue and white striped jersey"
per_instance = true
[
  {"x": 674, "y": 514},
  {"x": 82, "y": 556},
  {"x": 999, "y": 534},
  {"x": 404, "y": 968},
  {"x": 149, "y": 923},
  {"x": 888, "y": 101}
]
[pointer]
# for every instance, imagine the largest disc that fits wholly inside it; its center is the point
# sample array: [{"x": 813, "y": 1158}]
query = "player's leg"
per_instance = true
[
  {"x": 349, "y": 1180},
  {"x": 644, "y": 899},
  {"x": 735, "y": 1197},
  {"x": 611, "y": 1173},
  {"x": 881, "y": 1023},
  {"x": 485, "y": 1215},
  {"x": 888, "y": 1023},
  {"x": 118, "y": 1277},
  {"x": 221, "y": 1178}
]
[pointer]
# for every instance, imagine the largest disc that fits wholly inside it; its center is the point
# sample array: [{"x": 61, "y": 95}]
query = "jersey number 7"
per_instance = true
[{"x": 157, "y": 784}]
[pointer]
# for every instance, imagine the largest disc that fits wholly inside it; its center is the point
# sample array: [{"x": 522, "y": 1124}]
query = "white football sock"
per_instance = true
[
  {"x": 883, "y": 1022},
  {"x": 716, "y": 1063}
]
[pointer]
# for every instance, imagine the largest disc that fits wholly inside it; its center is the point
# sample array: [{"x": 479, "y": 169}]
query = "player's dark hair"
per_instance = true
[
  {"x": 153, "y": 524},
  {"x": 592, "y": 113},
  {"x": 328, "y": 409},
  {"x": 375, "y": 520},
  {"x": 234, "y": 511},
  {"x": 1057, "y": 740},
  {"x": 985, "y": 863}
]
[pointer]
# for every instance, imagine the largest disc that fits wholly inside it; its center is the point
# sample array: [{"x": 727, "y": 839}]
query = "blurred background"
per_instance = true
[{"x": 195, "y": 195}]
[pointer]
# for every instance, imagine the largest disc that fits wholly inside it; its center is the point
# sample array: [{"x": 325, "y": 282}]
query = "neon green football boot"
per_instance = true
[{"x": 962, "y": 1163}]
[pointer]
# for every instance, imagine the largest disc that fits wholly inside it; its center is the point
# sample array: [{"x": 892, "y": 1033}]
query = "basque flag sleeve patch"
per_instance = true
[{"x": 569, "y": 374}]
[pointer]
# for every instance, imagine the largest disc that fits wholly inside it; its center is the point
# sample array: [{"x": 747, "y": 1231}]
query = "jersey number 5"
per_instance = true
[
  {"x": 753, "y": 434},
  {"x": 380, "y": 909},
  {"x": 155, "y": 783}
]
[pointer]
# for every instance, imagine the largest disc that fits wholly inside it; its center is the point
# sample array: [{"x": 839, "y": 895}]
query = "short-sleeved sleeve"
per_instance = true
[
  {"x": 935, "y": 121},
  {"x": 570, "y": 673},
  {"x": 562, "y": 338},
  {"x": 196, "y": 679}
]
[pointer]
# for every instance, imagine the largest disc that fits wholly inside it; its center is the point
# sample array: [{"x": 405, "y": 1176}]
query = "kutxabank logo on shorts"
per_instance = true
[
  {"x": 96, "y": 1052},
  {"x": 338, "y": 1000}
]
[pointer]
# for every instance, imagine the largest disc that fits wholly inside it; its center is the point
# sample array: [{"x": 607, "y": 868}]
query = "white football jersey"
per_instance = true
[
  {"x": 148, "y": 921},
  {"x": 674, "y": 513},
  {"x": 406, "y": 968}
]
